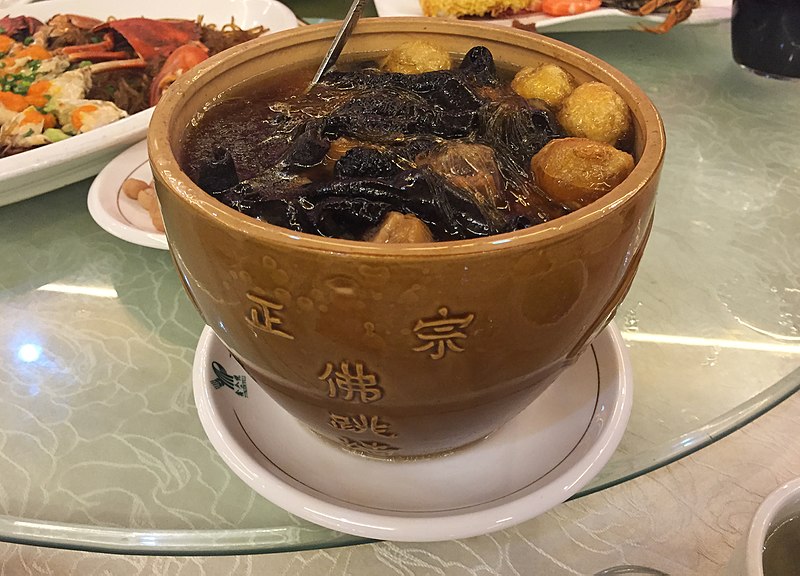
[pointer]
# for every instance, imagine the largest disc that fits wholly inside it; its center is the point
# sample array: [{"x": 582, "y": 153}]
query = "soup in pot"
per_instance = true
[{"x": 412, "y": 148}]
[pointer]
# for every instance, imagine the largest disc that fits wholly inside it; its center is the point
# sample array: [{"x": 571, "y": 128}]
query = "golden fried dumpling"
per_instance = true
[
  {"x": 595, "y": 111},
  {"x": 547, "y": 82},
  {"x": 578, "y": 171},
  {"x": 416, "y": 57}
]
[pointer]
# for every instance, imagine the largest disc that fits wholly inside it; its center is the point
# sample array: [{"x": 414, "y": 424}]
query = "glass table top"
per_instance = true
[{"x": 100, "y": 444}]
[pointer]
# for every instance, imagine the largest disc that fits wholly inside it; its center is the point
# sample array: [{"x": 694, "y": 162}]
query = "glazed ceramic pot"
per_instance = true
[{"x": 402, "y": 350}]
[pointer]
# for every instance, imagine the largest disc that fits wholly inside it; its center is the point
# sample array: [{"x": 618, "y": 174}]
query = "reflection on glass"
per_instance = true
[
  {"x": 98, "y": 291},
  {"x": 711, "y": 342},
  {"x": 29, "y": 352}
]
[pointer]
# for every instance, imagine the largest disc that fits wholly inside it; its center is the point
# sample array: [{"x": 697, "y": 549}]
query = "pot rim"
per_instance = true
[{"x": 165, "y": 165}]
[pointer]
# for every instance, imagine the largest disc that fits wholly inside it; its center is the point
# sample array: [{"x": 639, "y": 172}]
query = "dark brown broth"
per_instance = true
[
  {"x": 250, "y": 124},
  {"x": 782, "y": 549}
]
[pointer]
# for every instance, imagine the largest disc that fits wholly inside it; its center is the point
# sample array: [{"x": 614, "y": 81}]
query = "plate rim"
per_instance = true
[{"x": 472, "y": 522}]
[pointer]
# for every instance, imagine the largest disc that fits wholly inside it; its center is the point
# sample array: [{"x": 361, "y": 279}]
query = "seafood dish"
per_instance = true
[
  {"x": 677, "y": 10},
  {"x": 73, "y": 74},
  {"x": 413, "y": 148}
]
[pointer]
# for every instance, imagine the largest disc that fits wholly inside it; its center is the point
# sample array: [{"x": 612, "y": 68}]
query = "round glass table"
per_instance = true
[{"x": 100, "y": 444}]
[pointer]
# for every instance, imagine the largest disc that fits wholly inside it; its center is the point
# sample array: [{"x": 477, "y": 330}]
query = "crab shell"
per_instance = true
[
  {"x": 174, "y": 41},
  {"x": 153, "y": 38},
  {"x": 181, "y": 59},
  {"x": 26, "y": 24}
]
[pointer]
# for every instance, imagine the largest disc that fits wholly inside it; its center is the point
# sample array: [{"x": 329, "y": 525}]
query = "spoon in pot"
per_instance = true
[{"x": 348, "y": 24}]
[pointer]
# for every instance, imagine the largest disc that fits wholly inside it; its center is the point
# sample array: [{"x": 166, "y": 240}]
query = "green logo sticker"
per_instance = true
[{"x": 235, "y": 382}]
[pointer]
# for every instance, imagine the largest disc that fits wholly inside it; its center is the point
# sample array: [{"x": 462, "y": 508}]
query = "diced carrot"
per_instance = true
[
  {"x": 35, "y": 52},
  {"x": 569, "y": 7},
  {"x": 36, "y": 93},
  {"x": 6, "y": 42},
  {"x": 49, "y": 121},
  {"x": 32, "y": 116},
  {"x": 76, "y": 118},
  {"x": 13, "y": 102}
]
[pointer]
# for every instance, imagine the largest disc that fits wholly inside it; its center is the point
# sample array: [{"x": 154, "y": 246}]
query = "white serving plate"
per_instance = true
[
  {"x": 55, "y": 165},
  {"x": 710, "y": 12},
  {"x": 541, "y": 458}
]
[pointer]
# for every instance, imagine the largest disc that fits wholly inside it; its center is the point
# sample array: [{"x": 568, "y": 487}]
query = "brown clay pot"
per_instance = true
[{"x": 402, "y": 350}]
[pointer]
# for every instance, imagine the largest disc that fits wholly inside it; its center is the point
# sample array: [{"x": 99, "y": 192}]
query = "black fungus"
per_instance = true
[
  {"x": 367, "y": 162},
  {"x": 347, "y": 208},
  {"x": 440, "y": 88},
  {"x": 478, "y": 67},
  {"x": 219, "y": 172},
  {"x": 516, "y": 129},
  {"x": 307, "y": 149},
  {"x": 386, "y": 114}
]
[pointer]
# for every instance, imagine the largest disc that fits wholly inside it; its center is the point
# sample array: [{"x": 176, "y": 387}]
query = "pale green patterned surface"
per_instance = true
[{"x": 98, "y": 425}]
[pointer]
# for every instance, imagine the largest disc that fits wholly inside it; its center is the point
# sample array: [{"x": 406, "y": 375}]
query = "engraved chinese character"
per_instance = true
[
  {"x": 368, "y": 446},
  {"x": 235, "y": 382},
  {"x": 441, "y": 334},
  {"x": 361, "y": 423},
  {"x": 263, "y": 316},
  {"x": 351, "y": 383}
]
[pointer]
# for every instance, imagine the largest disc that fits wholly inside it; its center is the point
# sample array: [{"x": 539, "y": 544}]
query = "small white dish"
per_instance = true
[
  {"x": 533, "y": 463},
  {"x": 602, "y": 19},
  {"x": 52, "y": 166},
  {"x": 115, "y": 212},
  {"x": 780, "y": 506}
]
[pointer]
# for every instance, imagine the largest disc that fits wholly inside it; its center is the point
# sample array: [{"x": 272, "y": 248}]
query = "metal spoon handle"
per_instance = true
[{"x": 341, "y": 38}]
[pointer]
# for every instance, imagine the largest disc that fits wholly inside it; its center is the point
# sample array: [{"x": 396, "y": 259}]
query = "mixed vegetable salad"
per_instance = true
[{"x": 73, "y": 73}]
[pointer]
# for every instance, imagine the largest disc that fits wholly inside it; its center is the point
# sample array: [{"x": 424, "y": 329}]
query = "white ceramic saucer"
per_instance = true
[
  {"x": 113, "y": 210},
  {"x": 536, "y": 461}
]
